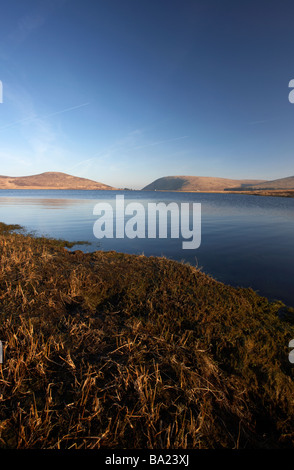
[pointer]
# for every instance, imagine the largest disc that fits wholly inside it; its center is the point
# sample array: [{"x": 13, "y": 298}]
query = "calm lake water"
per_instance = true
[{"x": 245, "y": 240}]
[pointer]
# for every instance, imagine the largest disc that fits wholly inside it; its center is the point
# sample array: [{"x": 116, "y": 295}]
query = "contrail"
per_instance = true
[
  {"x": 65, "y": 110},
  {"x": 17, "y": 122},
  {"x": 161, "y": 142},
  {"x": 262, "y": 121},
  {"x": 31, "y": 118}
]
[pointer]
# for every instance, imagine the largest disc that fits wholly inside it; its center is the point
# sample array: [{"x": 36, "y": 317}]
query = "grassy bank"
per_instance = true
[
  {"x": 106, "y": 350},
  {"x": 260, "y": 192},
  {"x": 268, "y": 192}
]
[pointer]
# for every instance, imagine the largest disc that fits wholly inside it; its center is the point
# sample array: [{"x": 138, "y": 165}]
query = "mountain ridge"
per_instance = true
[
  {"x": 198, "y": 183},
  {"x": 276, "y": 184},
  {"x": 51, "y": 180}
]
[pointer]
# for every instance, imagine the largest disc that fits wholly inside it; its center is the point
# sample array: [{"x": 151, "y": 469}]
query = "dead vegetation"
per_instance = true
[{"x": 107, "y": 350}]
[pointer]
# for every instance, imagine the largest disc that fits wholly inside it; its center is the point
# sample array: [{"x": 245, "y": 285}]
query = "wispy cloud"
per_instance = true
[
  {"x": 85, "y": 164},
  {"x": 121, "y": 146},
  {"x": 38, "y": 117},
  {"x": 7, "y": 157},
  {"x": 19, "y": 121},
  {"x": 161, "y": 142},
  {"x": 116, "y": 150},
  {"x": 262, "y": 121},
  {"x": 66, "y": 110},
  {"x": 37, "y": 134},
  {"x": 119, "y": 158}
]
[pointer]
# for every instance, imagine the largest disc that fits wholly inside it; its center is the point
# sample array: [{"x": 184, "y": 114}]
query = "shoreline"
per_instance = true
[
  {"x": 276, "y": 193},
  {"x": 272, "y": 193},
  {"x": 110, "y": 350}
]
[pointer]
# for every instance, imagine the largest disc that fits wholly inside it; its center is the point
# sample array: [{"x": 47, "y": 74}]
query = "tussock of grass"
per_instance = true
[{"x": 105, "y": 350}]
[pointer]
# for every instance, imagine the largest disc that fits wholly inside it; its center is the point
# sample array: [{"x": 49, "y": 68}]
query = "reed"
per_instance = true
[{"x": 109, "y": 350}]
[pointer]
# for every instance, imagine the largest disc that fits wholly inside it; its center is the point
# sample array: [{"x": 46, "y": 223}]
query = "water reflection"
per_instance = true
[
  {"x": 246, "y": 240},
  {"x": 44, "y": 202}
]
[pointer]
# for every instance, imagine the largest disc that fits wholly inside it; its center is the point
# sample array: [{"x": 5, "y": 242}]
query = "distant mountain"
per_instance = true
[
  {"x": 50, "y": 180},
  {"x": 196, "y": 183},
  {"x": 279, "y": 184}
]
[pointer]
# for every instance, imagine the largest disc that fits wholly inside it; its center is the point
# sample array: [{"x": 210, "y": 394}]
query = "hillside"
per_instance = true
[
  {"x": 50, "y": 180},
  {"x": 196, "y": 183},
  {"x": 278, "y": 184}
]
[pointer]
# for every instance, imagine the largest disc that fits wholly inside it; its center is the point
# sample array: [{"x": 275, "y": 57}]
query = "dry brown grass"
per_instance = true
[
  {"x": 50, "y": 180},
  {"x": 197, "y": 183},
  {"x": 274, "y": 192},
  {"x": 107, "y": 350}
]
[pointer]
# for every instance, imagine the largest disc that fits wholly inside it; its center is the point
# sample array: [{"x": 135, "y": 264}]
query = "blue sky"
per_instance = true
[{"x": 127, "y": 91}]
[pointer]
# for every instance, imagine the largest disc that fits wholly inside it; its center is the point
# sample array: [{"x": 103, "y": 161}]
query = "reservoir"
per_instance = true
[{"x": 246, "y": 240}]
